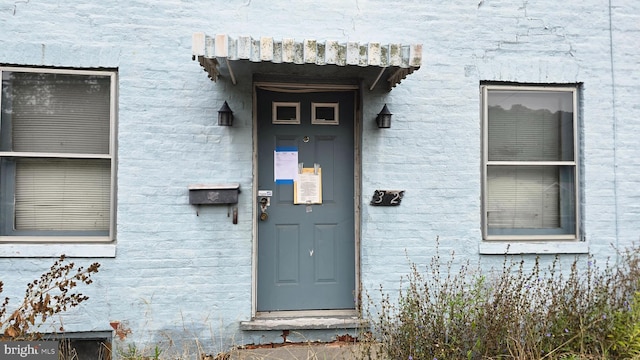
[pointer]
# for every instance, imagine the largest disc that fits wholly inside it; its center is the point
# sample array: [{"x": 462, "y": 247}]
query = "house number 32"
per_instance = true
[{"x": 387, "y": 197}]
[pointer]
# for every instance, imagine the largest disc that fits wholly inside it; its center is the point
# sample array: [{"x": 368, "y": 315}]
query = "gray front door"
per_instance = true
[{"x": 306, "y": 253}]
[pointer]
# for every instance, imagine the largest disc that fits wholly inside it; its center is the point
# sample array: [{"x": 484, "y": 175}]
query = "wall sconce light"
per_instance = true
[
  {"x": 384, "y": 118},
  {"x": 225, "y": 115}
]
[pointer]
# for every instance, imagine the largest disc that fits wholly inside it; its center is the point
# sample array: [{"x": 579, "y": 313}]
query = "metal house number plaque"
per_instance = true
[{"x": 387, "y": 197}]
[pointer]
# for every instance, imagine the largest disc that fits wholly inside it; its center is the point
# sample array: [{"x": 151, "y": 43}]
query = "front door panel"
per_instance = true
[{"x": 306, "y": 253}]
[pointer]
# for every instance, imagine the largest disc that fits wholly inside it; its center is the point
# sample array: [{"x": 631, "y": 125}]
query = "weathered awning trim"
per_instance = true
[{"x": 400, "y": 59}]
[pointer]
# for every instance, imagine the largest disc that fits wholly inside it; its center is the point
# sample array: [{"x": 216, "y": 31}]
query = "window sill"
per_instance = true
[
  {"x": 533, "y": 247},
  {"x": 26, "y": 250}
]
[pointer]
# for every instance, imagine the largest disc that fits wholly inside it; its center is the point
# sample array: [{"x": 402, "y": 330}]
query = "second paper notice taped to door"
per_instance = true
[{"x": 308, "y": 187}]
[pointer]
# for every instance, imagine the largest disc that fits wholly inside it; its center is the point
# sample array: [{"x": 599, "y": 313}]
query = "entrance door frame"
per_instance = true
[{"x": 357, "y": 152}]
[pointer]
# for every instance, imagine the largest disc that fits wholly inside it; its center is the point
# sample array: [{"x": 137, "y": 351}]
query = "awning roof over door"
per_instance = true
[{"x": 394, "y": 61}]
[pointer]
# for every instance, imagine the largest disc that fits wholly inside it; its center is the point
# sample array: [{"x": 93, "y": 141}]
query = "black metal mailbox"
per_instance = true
[{"x": 213, "y": 194}]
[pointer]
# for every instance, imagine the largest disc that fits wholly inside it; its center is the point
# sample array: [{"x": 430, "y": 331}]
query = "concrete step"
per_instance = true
[{"x": 302, "y": 351}]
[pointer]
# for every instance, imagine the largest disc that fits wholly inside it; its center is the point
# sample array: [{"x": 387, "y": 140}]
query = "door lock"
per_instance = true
[{"x": 264, "y": 202}]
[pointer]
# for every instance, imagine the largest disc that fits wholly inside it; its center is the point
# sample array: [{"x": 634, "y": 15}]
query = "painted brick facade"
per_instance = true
[{"x": 176, "y": 270}]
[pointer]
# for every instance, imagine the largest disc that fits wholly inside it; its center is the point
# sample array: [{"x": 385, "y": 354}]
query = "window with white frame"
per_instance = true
[
  {"x": 530, "y": 162},
  {"x": 57, "y": 163}
]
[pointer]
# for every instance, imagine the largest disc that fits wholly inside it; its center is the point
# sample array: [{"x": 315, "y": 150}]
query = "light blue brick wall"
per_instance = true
[{"x": 176, "y": 270}]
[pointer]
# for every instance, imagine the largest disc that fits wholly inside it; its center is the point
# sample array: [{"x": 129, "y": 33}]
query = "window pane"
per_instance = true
[
  {"x": 286, "y": 112},
  {"x": 530, "y": 125},
  {"x": 56, "y": 113},
  {"x": 62, "y": 194},
  {"x": 530, "y": 200}
]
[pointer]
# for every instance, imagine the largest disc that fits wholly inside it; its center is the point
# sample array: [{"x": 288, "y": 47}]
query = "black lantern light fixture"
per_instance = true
[
  {"x": 384, "y": 118},
  {"x": 225, "y": 115}
]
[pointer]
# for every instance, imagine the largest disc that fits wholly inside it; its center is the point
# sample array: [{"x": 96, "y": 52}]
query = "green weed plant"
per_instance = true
[{"x": 523, "y": 311}]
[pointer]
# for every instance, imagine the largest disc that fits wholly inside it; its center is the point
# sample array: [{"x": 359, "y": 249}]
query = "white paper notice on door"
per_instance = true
[
  {"x": 285, "y": 165},
  {"x": 307, "y": 188}
]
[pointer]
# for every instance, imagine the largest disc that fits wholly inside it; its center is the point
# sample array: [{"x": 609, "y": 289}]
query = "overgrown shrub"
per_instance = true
[
  {"x": 49, "y": 295},
  {"x": 521, "y": 311}
]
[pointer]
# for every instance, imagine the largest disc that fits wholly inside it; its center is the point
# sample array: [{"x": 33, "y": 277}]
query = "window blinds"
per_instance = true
[
  {"x": 525, "y": 196},
  {"x": 62, "y": 194},
  {"x": 61, "y": 114},
  {"x": 58, "y": 113}
]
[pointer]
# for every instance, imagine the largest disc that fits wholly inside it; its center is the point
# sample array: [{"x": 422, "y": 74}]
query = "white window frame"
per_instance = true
[
  {"x": 278, "y": 104},
  {"x": 92, "y": 246},
  {"x": 538, "y": 243},
  {"x": 336, "y": 113}
]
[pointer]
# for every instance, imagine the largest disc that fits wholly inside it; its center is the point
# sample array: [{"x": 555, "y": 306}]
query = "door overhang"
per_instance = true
[{"x": 377, "y": 63}]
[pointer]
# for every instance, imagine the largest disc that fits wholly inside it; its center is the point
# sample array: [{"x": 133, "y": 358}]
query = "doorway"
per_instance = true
[{"x": 306, "y": 229}]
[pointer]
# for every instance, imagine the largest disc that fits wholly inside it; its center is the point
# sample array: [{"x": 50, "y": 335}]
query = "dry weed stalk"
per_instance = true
[
  {"x": 51, "y": 294},
  {"x": 570, "y": 309}
]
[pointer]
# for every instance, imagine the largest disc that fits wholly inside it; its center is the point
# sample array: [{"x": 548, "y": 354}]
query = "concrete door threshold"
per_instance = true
[
  {"x": 304, "y": 351},
  {"x": 303, "y": 323}
]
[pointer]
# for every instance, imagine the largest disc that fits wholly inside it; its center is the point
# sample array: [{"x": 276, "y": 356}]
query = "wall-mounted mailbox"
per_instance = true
[{"x": 213, "y": 194}]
